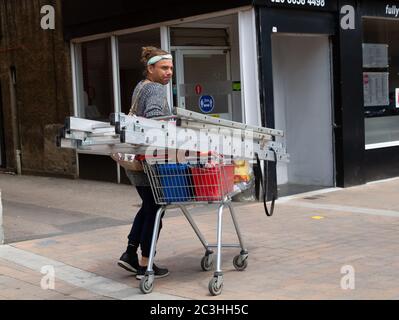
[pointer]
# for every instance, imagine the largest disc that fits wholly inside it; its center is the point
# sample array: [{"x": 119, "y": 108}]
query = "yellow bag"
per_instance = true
[{"x": 241, "y": 171}]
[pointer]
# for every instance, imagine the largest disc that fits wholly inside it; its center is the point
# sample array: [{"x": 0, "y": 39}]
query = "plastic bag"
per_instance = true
[
  {"x": 128, "y": 161},
  {"x": 244, "y": 181}
]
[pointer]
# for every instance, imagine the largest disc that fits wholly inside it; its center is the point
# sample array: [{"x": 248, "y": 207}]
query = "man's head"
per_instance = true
[{"x": 158, "y": 65}]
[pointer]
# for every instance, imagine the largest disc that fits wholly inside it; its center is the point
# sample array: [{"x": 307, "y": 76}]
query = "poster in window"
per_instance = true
[
  {"x": 376, "y": 89},
  {"x": 375, "y": 55}
]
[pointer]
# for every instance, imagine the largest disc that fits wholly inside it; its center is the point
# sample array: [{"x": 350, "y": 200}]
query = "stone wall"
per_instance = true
[
  {"x": 43, "y": 86},
  {"x": 1, "y": 222}
]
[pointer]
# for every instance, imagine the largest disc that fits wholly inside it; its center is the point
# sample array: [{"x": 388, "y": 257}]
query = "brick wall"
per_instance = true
[{"x": 43, "y": 86}]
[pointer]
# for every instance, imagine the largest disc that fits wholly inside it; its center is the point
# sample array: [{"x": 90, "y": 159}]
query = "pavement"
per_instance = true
[{"x": 64, "y": 237}]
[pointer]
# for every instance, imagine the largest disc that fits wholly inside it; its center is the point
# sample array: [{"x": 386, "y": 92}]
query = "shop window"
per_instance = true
[
  {"x": 96, "y": 93},
  {"x": 130, "y": 67},
  {"x": 381, "y": 81},
  {"x": 207, "y": 67}
]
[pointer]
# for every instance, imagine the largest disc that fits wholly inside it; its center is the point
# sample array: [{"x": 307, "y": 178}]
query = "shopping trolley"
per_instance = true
[
  {"x": 177, "y": 183},
  {"x": 194, "y": 180}
]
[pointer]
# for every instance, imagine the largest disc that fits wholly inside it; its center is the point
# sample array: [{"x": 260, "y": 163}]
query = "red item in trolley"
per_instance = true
[{"x": 212, "y": 184}]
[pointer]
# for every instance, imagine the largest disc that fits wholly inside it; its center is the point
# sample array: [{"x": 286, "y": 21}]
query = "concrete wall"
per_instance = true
[{"x": 43, "y": 86}]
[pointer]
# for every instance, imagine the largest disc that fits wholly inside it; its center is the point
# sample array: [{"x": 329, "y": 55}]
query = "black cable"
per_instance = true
[{"x": 264, "y": 183}]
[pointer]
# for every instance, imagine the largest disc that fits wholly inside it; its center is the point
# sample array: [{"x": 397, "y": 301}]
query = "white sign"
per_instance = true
[
  {"x": 376, "y": 86},
  {"x": 392, "y": 10},
  {"x": 312, "y": 3},
  {"x": 375, "y": 55},
  {"x": 397, "y": 97}
]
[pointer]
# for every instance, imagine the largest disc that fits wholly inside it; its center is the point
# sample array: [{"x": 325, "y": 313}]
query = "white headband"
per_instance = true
[{"x": 155, "y": 59}]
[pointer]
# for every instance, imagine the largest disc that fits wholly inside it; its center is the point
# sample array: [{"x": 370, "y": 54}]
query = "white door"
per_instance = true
[
  {"x": 303, "y": 108},
  {"x": 203, "y": 81}
]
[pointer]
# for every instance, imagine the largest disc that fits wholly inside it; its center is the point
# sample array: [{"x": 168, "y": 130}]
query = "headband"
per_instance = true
[{"x": 155, "y": 59}]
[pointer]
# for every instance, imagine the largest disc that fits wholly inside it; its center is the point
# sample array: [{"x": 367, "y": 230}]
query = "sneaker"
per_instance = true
[
  {"x": 129, "y": 262},
  {"x": 158, "y": 272}
]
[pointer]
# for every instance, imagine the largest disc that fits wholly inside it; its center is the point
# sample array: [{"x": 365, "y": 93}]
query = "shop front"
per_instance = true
[
  {"x": 290, "y": 65},
  {"x": 216, "y": 72},
  {"x": 329, "y": 80}
]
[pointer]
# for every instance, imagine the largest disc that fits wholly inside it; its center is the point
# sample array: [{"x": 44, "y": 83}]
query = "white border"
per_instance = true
[
  {"x": 115, "y": 73},
  {"x": 165, "y": 45},
  {"x": 74, "y": 79},
  {"x": 250, "y": 101},
  {"x": 382, "y": 145}
]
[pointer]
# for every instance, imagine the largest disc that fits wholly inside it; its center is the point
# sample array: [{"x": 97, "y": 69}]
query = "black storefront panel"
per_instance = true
[
  {"x": 299, "y": 21},
  {"x": 380, "y": 8},
  {"x": 89, "y": 17},
  {"x": 350, "y": 117},
  {"x": 315, "y": 5}
]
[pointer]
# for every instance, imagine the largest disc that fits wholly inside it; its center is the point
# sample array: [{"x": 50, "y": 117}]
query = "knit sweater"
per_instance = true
[{"x": 151, "y": 102}]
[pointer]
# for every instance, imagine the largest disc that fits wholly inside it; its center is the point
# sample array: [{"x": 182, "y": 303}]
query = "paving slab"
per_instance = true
[{"x": 323, "y": 251}]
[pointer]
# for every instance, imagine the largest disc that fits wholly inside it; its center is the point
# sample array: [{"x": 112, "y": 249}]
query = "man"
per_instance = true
[{"x": 149, "y": 100}]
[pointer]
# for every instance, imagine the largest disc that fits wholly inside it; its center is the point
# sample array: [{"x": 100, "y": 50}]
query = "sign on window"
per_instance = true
[
  {"x": 376, "y": 89},
  {"x": 375, "y": 55}
]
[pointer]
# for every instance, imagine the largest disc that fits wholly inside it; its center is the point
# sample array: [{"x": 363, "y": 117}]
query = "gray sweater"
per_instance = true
[{"x": 151, "y": 102}]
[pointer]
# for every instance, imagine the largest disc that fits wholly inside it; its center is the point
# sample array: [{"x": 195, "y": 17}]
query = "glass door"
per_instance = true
[{"x": 203, "y": 81}]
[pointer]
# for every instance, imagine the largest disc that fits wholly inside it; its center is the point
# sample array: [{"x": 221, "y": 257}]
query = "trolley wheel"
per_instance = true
[
  {"x": 146, "y": 285},
  {"x": 213, "y": 287},
  {"x": 207, "y": 262},
  {"x": 240, "y": 263}
]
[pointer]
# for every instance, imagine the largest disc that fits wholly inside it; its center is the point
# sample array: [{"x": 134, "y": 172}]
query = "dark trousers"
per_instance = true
[{"x": 143, "y": 224}]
